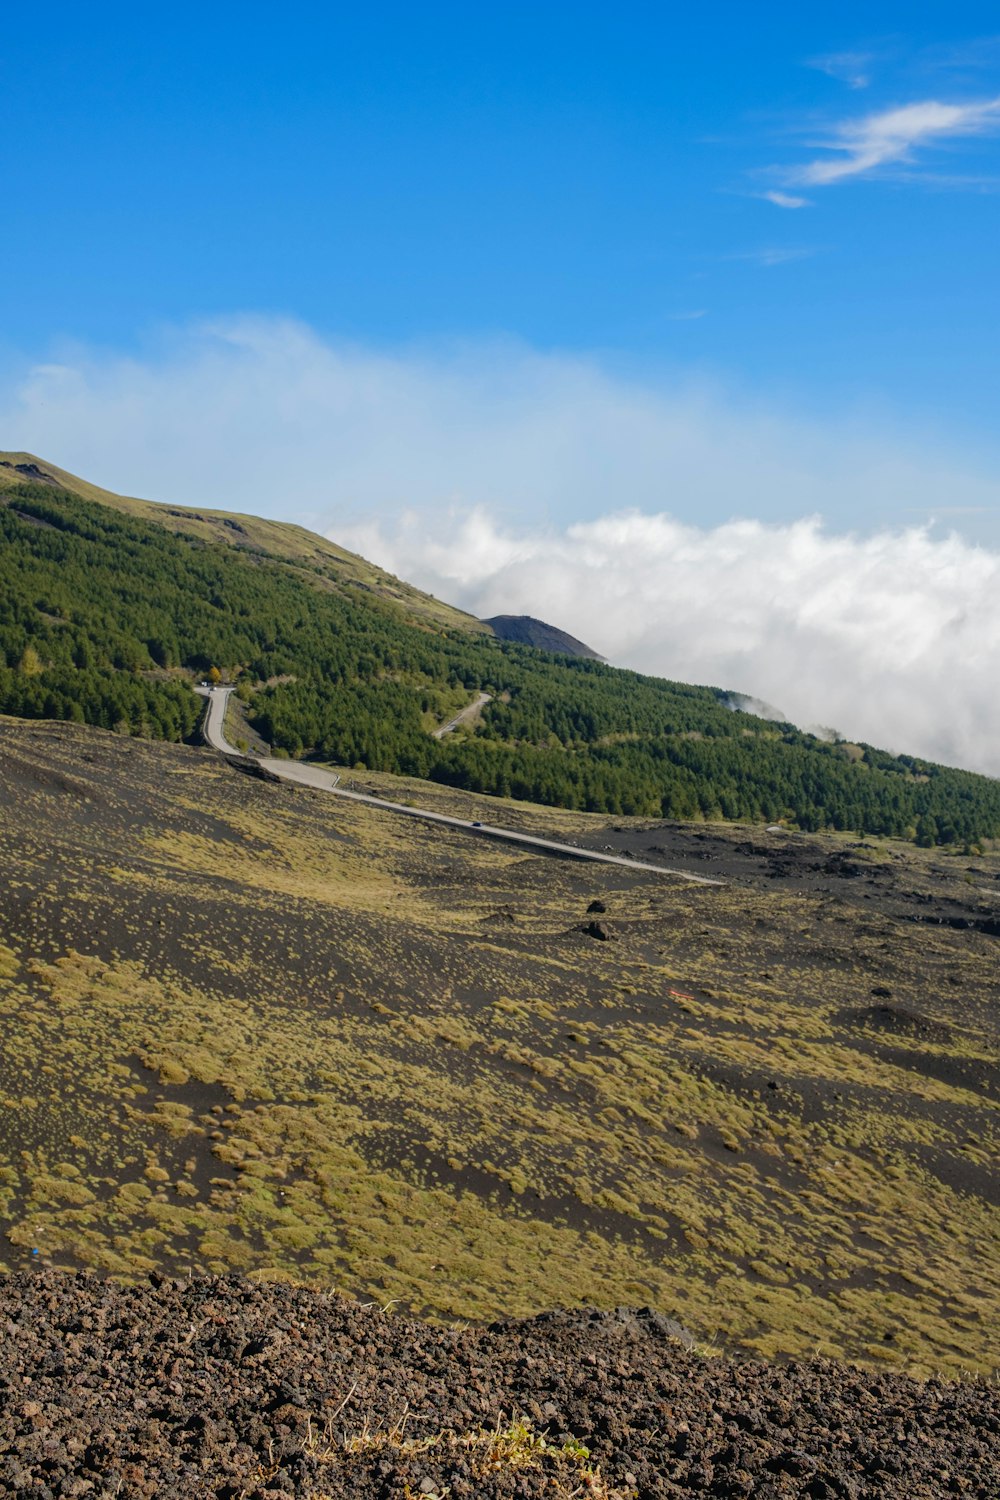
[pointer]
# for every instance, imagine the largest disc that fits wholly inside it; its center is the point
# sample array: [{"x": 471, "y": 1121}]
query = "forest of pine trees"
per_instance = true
[{"x": 105, "y": 619}]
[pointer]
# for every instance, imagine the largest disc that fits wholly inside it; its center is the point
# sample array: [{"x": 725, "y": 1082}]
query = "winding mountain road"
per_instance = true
[
  {"x": 327, "y": 781},
  {"x": 469, "y": 712}
]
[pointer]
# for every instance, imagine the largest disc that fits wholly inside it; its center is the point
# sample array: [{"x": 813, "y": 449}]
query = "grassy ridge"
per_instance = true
[
  {"x": 105, "y": 615},
  {"x": 321, "y": 561}
]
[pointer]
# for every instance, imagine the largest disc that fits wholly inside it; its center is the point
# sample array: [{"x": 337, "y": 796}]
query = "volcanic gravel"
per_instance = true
[{"x": 229, "y": 1387}]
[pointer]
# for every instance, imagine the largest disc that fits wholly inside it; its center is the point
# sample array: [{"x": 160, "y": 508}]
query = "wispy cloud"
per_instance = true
[
  {"x": 687, "y": 317},
  {"x": 894, "y": 135},
  {"x": 852, "y": 68},
  {"x": 968, "y": 182},
  {"x": 970, "y": 56},
  {"x": 264, "y": 413},
  {"x": 786, "y": 200},
  {"x": 514, "y": 480}
]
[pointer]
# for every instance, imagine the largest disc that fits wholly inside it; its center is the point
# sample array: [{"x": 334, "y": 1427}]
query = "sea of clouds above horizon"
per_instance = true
[
  {"x": 892, "y": 639},
  {"x": 677, "y": 527}
]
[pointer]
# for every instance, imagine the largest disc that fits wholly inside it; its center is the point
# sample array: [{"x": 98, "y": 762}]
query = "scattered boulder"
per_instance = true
[
  {"x": 596, "y": 906},
  {"x": 990, "y": 926},
  {"x": 595, "y": 929}
]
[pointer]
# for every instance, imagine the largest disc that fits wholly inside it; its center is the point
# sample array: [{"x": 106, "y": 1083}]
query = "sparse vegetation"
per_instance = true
[
  {"x": 272, "y": 1032},
  {"x": 509, "y": 1448}
]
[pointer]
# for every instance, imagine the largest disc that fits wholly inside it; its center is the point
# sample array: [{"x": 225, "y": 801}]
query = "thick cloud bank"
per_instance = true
[
  {"x": 892, "y": 638},
  {"x": 511, "y": 480}
]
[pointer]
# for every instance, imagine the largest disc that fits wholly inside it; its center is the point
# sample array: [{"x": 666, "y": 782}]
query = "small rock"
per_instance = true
[{"x": 596, "y": 930}]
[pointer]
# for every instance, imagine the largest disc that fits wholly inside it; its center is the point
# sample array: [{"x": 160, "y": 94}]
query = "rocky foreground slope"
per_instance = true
[{"x": 229, "y": 1387}]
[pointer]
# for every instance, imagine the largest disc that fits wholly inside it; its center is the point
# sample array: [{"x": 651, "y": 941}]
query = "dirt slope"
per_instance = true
[{"x": 267, "y": 1031}]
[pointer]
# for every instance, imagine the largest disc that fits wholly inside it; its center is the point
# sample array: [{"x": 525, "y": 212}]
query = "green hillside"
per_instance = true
[
  {"x": 109, "y": 608},
  {"x": 322, "y": 562}
]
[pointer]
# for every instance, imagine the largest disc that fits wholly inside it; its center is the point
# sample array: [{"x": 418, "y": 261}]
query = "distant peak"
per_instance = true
[{"x": 527, "y": 631}]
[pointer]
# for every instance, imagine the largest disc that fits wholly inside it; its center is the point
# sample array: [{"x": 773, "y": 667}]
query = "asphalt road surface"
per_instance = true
[
  {"x": 327, "y": 781},
  {"x": 466, "y": 713}
]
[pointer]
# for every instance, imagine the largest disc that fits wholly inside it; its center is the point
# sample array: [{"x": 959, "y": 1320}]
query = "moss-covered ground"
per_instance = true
[{"x": 249, "y": 1026}]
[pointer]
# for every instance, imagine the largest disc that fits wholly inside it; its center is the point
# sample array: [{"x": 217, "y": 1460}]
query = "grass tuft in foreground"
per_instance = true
[{"x": 511, "y": 1449}]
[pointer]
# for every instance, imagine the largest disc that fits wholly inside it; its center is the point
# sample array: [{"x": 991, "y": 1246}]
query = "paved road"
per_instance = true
[
  {"x": 326, "y": 781},
  {"x": 215, "y": 719},
  {"x": 466, "y": 713}
]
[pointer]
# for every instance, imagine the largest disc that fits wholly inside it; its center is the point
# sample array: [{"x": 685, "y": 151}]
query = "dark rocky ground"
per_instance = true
[{"x": 229, "y": 1387}]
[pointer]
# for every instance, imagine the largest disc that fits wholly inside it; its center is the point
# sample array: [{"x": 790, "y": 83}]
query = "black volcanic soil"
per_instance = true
[
  {"x": 527, "y": 631},
  {"x": 245, "y": 1027},
  {"x": 227, "y": 1387},
  {"x": 933, "y": 887}
]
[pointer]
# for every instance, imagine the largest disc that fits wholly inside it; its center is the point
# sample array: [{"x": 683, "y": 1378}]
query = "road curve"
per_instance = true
[
  {"x": 214, "y": 727},
  {"x": 468, "y": 712},
  {"x": 326, "y": 781}
]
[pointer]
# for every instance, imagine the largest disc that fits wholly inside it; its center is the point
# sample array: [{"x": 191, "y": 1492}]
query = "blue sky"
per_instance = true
[
  {"x": 580, "y": 176},
  {"x": 605, "y": 312}
]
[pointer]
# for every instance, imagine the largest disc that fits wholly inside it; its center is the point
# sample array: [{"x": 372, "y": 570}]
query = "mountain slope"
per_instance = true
[
  {"x": 106, "y": 616},
  {"x": 244, "y": 1026},
  {"x": 322, "y": 561},
  {"x": 528, "y": 631}
]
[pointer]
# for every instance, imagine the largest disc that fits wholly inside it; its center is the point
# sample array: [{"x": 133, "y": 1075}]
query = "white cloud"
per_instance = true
[
  {"x": 264, "y": 415},
  {"x": 515, "y": 481},
  {"x": 893, "y": 637},
  {"x": 786, "y": 200},
  {"x": 892, "y": 135},
  {"x": 267, "y": 416},
  {"x": 851, "y": 68}
]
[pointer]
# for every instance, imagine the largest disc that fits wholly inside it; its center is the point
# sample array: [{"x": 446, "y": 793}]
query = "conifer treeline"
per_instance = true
[{"x": 103, "y": 617}]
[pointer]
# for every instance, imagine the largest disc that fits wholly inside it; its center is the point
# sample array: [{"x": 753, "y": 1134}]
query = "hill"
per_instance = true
[
  {"x": 318, "y": 560},
  {"x": 110, "y": 608},
  {"x": 531, "y": 632},
  {"x": 248, "y": 1027}
]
